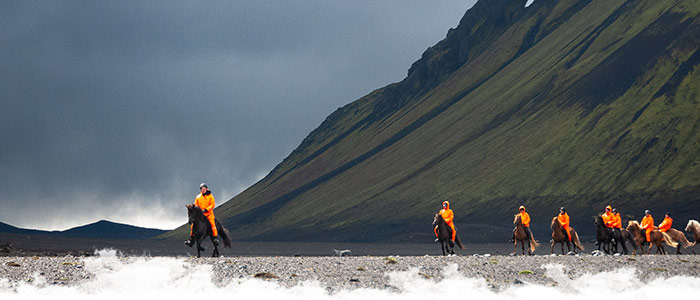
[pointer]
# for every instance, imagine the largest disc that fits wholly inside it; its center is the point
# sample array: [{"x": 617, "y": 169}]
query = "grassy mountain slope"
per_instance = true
[{"x": 575, "y": 103}]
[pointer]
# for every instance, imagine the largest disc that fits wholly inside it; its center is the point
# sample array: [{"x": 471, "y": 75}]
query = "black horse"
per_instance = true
[
  {"x": 610, "y": 238},
  {"x": 445, "y": 236},
  {"x": 201, "y": 228}
]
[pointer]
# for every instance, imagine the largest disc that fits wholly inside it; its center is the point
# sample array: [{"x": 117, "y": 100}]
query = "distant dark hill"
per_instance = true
[
  {"x": 107, "y": 229},
  {"x": 100, "y": 229},
  {"x": 6, "y": 228},
  {"x": 575, "y": 103}
]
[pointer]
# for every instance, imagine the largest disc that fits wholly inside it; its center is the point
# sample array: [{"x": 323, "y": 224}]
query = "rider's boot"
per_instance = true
[
  {"x": 189, "y": 242},
  {"x": 215, "y": 240}
]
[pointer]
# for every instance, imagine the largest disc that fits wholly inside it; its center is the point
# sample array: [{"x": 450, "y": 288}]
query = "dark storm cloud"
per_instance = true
[{"x": 118, "y": 109}]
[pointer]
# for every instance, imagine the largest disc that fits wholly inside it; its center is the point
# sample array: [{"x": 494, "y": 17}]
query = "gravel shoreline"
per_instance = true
[{"x": 343, "y": 273}]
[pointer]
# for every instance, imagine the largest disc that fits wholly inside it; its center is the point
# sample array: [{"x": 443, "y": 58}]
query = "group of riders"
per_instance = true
[{"x": 611, "y": 218}]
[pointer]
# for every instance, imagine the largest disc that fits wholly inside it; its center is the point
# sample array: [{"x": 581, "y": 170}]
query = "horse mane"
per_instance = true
[
  {"x": 554, "y": 221},
  {"x": 437, "y": 219},
  {"x": 633, "y": 226}
]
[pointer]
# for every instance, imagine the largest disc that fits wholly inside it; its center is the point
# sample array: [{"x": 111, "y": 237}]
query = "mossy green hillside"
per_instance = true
[{"x": 563, "y": 103}]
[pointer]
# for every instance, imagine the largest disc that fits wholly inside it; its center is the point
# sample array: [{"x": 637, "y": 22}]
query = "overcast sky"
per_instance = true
[{"x": 117, "y": 110}]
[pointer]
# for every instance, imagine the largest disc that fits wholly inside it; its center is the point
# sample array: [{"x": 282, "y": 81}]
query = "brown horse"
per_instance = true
[
  {"x": 679, "y": 237},
  {"x": 694, "y": 228},
  {"x": 559, "y": 236},
  {"x": 657, "y": 237},
  {"x": 521, "y": 236}
]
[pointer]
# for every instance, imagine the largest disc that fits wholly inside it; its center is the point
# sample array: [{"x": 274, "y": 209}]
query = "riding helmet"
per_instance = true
[
  {"x": 521, "y": 207},
  {"x": 608, "y": 207},
  {"x": 668, "y": 214},
  {"x": 647, "y": 212},
  {"x": 203, "y": 185},
  {"x": 562, "y": 209}
]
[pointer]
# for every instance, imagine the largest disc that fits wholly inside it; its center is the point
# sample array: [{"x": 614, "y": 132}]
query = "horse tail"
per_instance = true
[
  {"x": 668, "y": 240},
  {"x": 684, "y": 241},
  {"x": 458, "y": 241},
  {"x": 575, "y": 240},
  {"x": 533, "y": 244},
  {"x": 224, "y": 234}
]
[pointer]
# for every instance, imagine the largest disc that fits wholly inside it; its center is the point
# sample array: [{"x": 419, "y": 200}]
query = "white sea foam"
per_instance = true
[{"x": 176, "y": 278}]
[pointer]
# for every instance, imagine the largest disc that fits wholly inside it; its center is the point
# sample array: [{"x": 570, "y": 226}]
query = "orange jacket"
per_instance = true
[
  {"x": 447, "y": 213},
  {"x": 607, "y": 219},
  {"x": 647, "y": 223},
  {"x": 525, "y": 218},
  {"x": 665, "y": 224},
  {"x": 205, "y": 202},
  {"x": 616, "y": 221},
  {"x": 563, "y": 220}
]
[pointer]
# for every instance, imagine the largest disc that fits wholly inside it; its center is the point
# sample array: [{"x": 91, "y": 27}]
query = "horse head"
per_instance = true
[
  {"x": 554, "y": 223},
  {"x": 437, "y": 219},
  {"x": 633, "y": 226},
  {"x": 693, "y": 226},
  {"x": 193, "y": 213},
  {"x": 598, "y": 220},
  {"x": 517, "y": 220}
]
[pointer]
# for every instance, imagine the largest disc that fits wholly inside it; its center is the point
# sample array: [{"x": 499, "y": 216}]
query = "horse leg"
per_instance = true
[
  {"x": 551, "y": 247},
  {"x": 215, "y": 253},
  {"x": 529, "y": 247},
  {"x": 199, "y": 244}
]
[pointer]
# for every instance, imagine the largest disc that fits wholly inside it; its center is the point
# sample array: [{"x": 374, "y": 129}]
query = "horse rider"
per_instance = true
[
  {"x": 608, "y": 219},
  {"x": 563, "y": 219},
  {"x": 648, "y": 224},
  {"x": 525, "y": 219},
  {"x": 205, "y": 201},
  {"x": 616, "y": 220},
  {"x": 448, "y": 216},
  {"x": 666, "y": 223}
]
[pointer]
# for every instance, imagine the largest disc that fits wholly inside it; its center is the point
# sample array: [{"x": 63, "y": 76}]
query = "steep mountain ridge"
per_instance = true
[{"x": 563, "y": 103}]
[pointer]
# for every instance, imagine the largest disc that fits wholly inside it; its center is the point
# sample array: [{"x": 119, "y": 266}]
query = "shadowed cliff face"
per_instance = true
[{"x": 564, "y": 103}]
